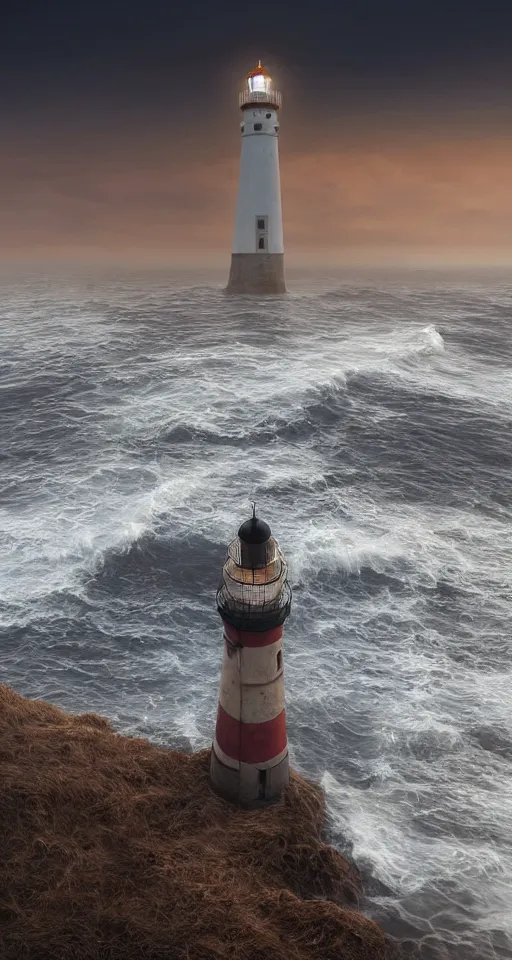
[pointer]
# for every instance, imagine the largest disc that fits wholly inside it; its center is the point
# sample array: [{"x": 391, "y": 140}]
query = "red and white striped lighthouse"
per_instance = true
[{"x": 249, "y": 761}]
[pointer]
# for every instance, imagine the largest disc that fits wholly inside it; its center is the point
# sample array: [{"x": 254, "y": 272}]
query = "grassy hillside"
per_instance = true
[{"x": 114, "y": 849}]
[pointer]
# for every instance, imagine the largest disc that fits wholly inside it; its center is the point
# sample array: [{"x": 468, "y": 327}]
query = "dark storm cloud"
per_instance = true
[{"x": 357, "y": 36}]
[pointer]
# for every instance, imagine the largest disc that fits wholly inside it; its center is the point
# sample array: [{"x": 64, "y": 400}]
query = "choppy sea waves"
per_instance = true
[{"x": 371, "y": 422}]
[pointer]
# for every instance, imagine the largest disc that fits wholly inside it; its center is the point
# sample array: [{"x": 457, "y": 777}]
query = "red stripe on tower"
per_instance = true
[
  {"x": 251, "y": 742},
  {"x": 249, "y": 761}
]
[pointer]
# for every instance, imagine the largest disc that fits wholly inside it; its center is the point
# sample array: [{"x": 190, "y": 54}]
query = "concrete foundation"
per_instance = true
[
  {"x": 247, "y": 785},
  {"x": 256, "y": 273}
]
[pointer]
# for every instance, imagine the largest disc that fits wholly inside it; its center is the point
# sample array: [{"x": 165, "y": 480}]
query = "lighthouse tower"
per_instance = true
[
  {"x": 249, "y": 760},
  {"x": 257, "y": 262}
]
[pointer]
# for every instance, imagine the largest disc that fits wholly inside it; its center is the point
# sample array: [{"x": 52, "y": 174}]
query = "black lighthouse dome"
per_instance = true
[{"x": 254, "y": 530}]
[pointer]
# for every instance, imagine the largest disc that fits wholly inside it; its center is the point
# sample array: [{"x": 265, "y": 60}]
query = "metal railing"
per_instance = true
[
  {"x": 254, "y": 616},
  {"x": 260, "y": 97}
]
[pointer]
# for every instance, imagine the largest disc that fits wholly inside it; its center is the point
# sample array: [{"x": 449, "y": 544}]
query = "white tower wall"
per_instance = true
[{"x": 259, "y": 186}]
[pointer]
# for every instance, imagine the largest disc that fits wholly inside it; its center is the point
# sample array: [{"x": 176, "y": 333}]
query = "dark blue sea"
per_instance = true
[{"x": 370, "y": 418}]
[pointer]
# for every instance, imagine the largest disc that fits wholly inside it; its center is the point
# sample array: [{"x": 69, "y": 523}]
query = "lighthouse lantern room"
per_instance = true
[{"x": 257, "y": 262}]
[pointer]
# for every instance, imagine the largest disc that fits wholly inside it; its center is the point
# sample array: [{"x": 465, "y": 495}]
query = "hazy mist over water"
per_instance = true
[{"x": 370, "y": 418}]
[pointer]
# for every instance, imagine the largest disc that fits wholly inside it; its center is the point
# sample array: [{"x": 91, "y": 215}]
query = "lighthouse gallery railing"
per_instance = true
[{"x": 260, "y": 97}]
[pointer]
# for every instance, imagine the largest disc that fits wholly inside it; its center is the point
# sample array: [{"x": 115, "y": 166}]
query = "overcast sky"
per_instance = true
[{"x": 121, "y": 129}]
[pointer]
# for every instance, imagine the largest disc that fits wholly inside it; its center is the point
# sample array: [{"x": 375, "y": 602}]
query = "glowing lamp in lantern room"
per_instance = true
[{"x": 259, "y": 80}]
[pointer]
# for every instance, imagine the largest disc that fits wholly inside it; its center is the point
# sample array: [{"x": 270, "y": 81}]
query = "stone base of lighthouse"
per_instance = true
[
  {"x": 256, "y": 273},
  {"x": 247, "y": 784}
]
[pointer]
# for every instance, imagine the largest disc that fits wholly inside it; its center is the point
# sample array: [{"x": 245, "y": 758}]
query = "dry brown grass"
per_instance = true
[{"x": 114, "y": 849}]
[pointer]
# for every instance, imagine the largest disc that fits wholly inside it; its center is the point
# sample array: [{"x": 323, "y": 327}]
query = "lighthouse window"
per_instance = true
[
  {"x": 279, "y": 660},
  {"x": 268, "y": 116},
  {"x": 261, "y": 233},
  {"x": 243, "y": 128},
  {"x": 258, "y": 126}
]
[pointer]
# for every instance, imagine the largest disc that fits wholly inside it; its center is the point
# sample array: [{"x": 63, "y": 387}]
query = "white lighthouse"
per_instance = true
[{"x": 257, "y": 262}]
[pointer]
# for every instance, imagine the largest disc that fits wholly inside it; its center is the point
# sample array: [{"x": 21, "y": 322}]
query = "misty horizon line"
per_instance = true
[{"x": 200, "y": 260}]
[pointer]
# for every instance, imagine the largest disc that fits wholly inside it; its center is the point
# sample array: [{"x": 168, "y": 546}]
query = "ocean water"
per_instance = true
[{"x": 370, "y": 417}]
